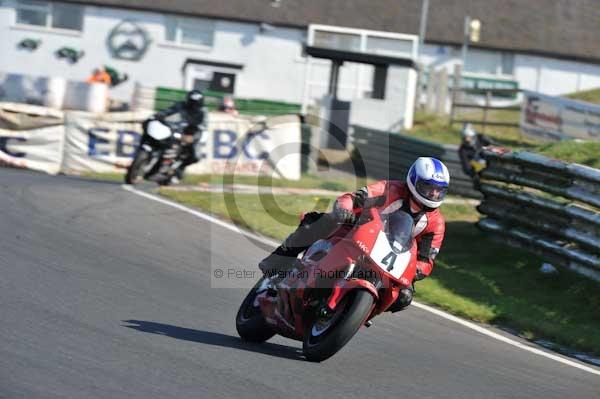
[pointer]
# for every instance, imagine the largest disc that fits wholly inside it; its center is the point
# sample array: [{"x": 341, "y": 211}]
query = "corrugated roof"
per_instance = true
[{"x": 560, "y": 28}]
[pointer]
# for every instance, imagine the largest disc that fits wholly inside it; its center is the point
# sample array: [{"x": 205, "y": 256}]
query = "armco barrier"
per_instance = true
[
  {"x": 546, "y": 206},
  {"x": 389, "y": 155}
]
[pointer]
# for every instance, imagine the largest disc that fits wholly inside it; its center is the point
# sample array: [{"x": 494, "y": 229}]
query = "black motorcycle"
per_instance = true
[{"x": 158, "y": 156}]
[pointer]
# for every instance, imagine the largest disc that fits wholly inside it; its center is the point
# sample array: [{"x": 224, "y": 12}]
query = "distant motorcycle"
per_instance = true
[
  {"x": 159, "y": 153},
  {"x": 339, "y": 285},
  {"x": 478, "y": 163}
]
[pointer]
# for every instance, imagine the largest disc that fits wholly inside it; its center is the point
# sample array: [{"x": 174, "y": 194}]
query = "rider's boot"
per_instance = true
[
  {"x": 313, "y": 227},
  {"x": 175, "y": 179},
  {"x": 178, "y": 176},
  {"x": 188, "y": 157},
  {"x": 283, "y": 258}
]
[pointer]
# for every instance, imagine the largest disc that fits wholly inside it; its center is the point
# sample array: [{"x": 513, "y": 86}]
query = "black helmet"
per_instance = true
[{"x": 194, "y": 100}]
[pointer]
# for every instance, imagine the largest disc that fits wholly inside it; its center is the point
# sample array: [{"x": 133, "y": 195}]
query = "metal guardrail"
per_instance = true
[
  {"x": 389, "y": 155},
  {"x": 549, "y": 207}
]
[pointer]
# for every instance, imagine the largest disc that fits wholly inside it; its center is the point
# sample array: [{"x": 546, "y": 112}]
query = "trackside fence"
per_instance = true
[
  {"x": 389, "y": 155},
  {"x": 546, "y": 206},
  {"x": 163, "y": 97}
]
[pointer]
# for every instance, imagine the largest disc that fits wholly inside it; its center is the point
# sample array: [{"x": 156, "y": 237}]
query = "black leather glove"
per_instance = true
[{"x": 344, "y": 216}]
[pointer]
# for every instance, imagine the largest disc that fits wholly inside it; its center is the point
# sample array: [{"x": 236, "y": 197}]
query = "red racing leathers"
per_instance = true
[{"x": 391, "y": 195}]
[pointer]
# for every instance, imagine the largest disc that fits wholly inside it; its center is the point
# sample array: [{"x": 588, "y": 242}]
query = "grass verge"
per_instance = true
[
  {"x": 475, "y": 277},
  {"x": 587, "y": 153},
  {"x": 590, "y": 96},
  {"x": 436, "y": 128},
  {"x": 306, "y": 181}
]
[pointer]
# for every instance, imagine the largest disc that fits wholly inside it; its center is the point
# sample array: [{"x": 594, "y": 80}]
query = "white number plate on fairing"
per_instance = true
[
  {"x": 388, "y": 260},
  {"x": 158, "y": 131}
]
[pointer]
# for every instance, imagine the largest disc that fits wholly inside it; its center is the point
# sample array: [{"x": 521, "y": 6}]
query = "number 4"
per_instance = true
[{"x": 389, "y": 261}]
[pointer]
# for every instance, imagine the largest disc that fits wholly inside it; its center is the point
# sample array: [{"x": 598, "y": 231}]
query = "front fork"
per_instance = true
[
  {"x": 341, "y": 288},
  {"x": 153, "y": 158}
]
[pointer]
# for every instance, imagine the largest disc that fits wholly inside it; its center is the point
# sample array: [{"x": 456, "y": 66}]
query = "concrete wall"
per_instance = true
[
  {"x": 273, "y": 66},
  {"x": 393, "y": 114},
  {"x": 553, "y": 77},
  {"x": 544, "y": 74}
]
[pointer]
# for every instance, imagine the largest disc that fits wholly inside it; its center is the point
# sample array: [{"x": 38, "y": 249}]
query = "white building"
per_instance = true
[
  {"x": 254, "y": 48},
  {"x": 266, "y": 64}
]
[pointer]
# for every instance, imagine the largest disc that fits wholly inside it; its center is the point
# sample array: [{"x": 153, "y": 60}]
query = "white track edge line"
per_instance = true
[
  {"x": 201, "y": 215},
  {"x": 504, "y": 339},
  {"x": 427, "y": 308}
]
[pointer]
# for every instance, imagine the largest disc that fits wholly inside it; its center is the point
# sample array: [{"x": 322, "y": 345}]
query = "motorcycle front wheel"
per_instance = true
[
  {"x": 329, "y": 333},
  {"x": 134, "y": 171},
  {"x": 249, "y": 322}
]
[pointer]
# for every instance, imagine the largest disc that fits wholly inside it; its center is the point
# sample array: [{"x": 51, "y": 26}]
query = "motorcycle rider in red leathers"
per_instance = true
[{"x": 420, "y": 196}]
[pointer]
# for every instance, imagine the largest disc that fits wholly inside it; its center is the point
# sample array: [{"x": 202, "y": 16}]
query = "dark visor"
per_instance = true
[{"x": 431, "y": 191}]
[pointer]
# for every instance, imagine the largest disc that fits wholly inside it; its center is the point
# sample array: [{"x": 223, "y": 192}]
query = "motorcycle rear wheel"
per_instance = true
[
  {"x": 249, "y": 321},
  {"x": 134, "y": 170},
  {"x": 321, "y": 341}
]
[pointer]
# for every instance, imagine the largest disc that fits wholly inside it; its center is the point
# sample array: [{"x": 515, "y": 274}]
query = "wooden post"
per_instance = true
[
  {"x": 517, "y": 91},
  {"x": 442, "y": 91},
  {"x": 419, "y": 87},
  {"x": 455, "y": 90},
  {"x": 431, "y": 82},
  {"x": 488, "y": 100}
]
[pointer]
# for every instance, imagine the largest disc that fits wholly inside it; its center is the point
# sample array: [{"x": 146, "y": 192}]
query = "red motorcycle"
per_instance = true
[{"x": 339, "y": 285}]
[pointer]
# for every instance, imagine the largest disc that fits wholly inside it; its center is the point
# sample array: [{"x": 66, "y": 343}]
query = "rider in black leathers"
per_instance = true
[
  {"x": 470, "y": 148},
  {"x": 193, "y": 112}
]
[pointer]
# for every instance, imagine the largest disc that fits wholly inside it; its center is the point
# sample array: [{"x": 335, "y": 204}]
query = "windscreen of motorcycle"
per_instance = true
[
  {"x": 398, "y": 227},
  {"x": 391, "y": 251},
  {"x": 158, "y": 131}
]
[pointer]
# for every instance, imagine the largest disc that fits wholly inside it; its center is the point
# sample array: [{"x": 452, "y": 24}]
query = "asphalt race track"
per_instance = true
[{"x": 105, "y": 294}]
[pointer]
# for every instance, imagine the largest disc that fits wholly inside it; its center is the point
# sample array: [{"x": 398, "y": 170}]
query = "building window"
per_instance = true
[
  {"x": 482, "y": 62},
  {"x": 190, "y": 31},
  {"x": 389, "y": 46},
  {"x": 508, "y": 64},
  {"x": 337, "y": 40},
  {"x": 50, "y": 14},
  {"x": 490, "y": 62}
]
